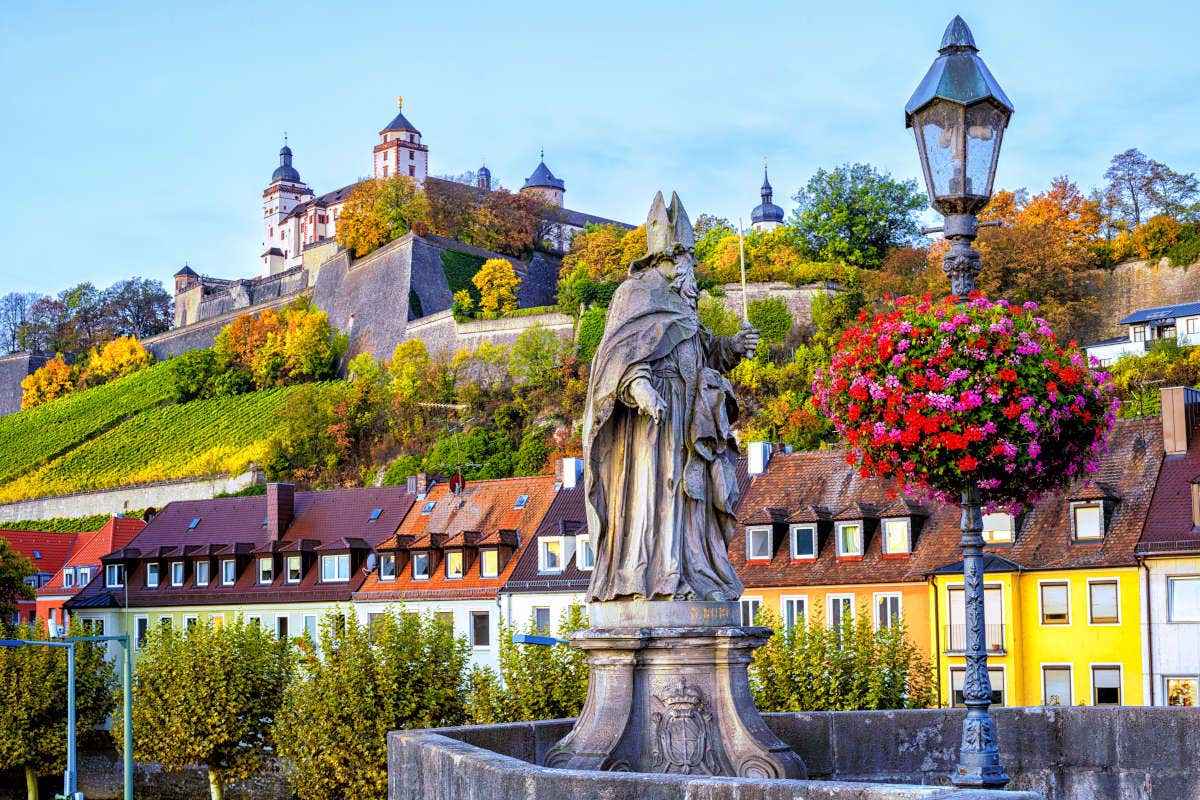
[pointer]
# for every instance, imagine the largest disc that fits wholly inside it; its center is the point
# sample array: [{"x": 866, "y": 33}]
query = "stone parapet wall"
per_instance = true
[
  {"x": 199, "y": 335},
  {"x": 798, "y": 298},
  {"x": 1080, "y": 753},
  {"x": 125, "y": 498},
  {"x": 15, "y": 368}
]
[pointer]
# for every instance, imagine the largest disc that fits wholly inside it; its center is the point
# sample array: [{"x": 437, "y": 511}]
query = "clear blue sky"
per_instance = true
[{"x": 136, "y": 137}]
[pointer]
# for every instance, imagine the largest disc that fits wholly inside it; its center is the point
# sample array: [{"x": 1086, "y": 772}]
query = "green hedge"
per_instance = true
[{"x": 459, "y": 269}]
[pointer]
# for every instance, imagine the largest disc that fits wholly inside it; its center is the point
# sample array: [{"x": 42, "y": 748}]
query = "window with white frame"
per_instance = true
[
  {"x": 1106, "y": 685},
  {"x": 998, "y": 527},
  {"x": 750, "y": 608},
  {"x": 281, "y": 628},
  {"x": 1193, "y": 324},
  {"x": 292, "y": 569},
  {"x": 254, "y": 621},
  {"x": 266, "y": 569},
  {"x": 1056, "y": 603},
  {"x": 228, "y": 572},
  {"x": 887, "y": 610},
  {"x": 839, "y": 610},
  {"x": 335, "y": 568},
  {"x": 795, "y": 612},
  {"x": 177, "y": 573},
  {"x": 152, "y": 574},
  {"x": 1183, "y": 599},
  {"x": 310, "y": 627},
  {"x": 454, "y": 564},
  {"x": 1087, "y": 521},
  {"x": 387, "y": 567},
  {"x": 585, "y": 556},
  {"x": 190, "y": 621},
  {"x": 541, "y": 620},
  {"x": 897, "y": 535},
  {"x": 550, "y": 555},
  {"x": 849, "y": 539},
  {"x": 481, "y": 629},
  {"x": 141, "y": 626},
  {"x": 200, "y": 572},
  {"x": 1102, "y": 602},
  {"x": 1056, "y": 685},
  {"x": 93, "y": 626},
  {"x": 164, "y": 623},
  {"x": 489, "y": 562},
  {"x": 758, "y": 543},
  {"x": 420, "y": 565},
  {"x": 114, "y": 576},
  {"x": 68, "y": 578},
  {"x": 804, "y": 541},
  {"x": 85, "y": 576},
  {"x": 445, "y": 618},
  {"x": 1183, "y": 691},
  {"x": 1138, "y": 333},
  {"x": 958, "y": 676}
]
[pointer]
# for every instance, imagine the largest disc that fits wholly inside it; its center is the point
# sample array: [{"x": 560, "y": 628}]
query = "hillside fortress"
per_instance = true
[{"x": 375, "y": 298}]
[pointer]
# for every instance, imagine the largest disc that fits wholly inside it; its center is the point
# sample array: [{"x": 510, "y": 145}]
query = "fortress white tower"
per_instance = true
[
  {"x": 285, "y": 192},
  {"x": 400, "y": 151}
]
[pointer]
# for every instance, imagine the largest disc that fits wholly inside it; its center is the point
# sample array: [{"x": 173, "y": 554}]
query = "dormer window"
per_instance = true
[
  {"x": 850, "y": 539},
  {"x": 114, "y": 576},
  {"x": 266, "y": 569},
  {"x": 420, "y": 566},
  {"x": 998, "y": 527},
  {"x": 200, "y": 572},
  {"x": 550, "y": 555},
  {"x": 152, "y": 575},
  {"x": 897, "y": 536},
  {"x": 585, "y": 556},
  {"x": 387, "y": 567},
  {"x": 85, "y": 576},
  {"x": 335, "y": 568},
  {"x": 804, "y": 541},
  {"x": 228, "y": 572},
  {"x": 1196, "y": 502},
  {"x": 293, "y": 569},
  {"x": 454, "y": 564},
  {"x": 68, "y": 578},
  {"x": 1087, "y": 521},
  {"x": 522, "y": 501},
  {"x": 489, "y": 563},
  {"x": 177, "y": 573},
  {"x": 758, "y": 543}
]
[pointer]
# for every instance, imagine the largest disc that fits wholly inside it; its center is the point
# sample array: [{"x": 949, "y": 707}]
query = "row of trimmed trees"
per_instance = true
[{"x": 233, "y": 699}]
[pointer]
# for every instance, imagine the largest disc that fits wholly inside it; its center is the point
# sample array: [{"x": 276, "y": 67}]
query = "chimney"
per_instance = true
[
  {"x": 569, "y": 471},
  {"x": 759, "y": 454},
  {"x": 281, "y": 505},
  {"x": 418, "y": 484},
  {"x": 1179, "y": 405}
]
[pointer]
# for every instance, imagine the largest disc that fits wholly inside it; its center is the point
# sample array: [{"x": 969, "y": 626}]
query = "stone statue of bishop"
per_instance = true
[{"x": 660, "y": 477}]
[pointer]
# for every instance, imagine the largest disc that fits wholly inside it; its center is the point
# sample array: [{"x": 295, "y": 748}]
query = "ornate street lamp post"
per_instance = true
[{"x": 959, "y": 114}]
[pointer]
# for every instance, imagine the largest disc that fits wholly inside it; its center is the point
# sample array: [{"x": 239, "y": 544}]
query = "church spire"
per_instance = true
[{"x": 767, "y": 216}]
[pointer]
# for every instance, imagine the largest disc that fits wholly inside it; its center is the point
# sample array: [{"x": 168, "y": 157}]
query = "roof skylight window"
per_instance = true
[
  {"x": 376, "y": 514},
  {"x": 428, "y": 507},
  {"x": 522, "y": 501},
  {"x": 192, "y": 525}
]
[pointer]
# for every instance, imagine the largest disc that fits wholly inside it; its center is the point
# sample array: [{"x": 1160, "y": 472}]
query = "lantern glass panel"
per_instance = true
[
  {"x": 939, "y": 128},
  {"x": 985, "y": 125}
]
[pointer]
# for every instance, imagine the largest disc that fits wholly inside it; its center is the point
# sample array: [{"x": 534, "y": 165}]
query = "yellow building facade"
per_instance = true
[{"x": 1054, "y": 637}]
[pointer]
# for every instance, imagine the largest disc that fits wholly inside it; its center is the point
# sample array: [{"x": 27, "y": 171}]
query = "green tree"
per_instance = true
[
  {"x": 14, "y": 569},
  {"x": 399, "y": 671},
  {"x": 854, "y": 667},
  {"x": 208, "y": 696},
  {"x": 534, "y": 353},
  {"x": 33, "y": 695},
  {"x": 716, "y": 316},
  {"x": 772, "y": 317},
  {"x": 535, "y": 681},
  {"x": 854, "y": 214}
]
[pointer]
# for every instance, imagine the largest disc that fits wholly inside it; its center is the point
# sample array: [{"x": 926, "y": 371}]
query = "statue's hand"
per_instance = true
[
  {"x": 649, "y": 402},
  {"x": 745, "y": 341}
]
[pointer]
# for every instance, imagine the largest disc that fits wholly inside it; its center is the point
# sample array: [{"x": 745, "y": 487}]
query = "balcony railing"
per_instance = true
[{"x": 956, "y": 639}]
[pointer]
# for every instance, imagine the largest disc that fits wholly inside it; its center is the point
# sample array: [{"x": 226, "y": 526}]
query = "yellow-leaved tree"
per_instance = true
[
  {"x": 380, "y": 210},
  {"x": 49, "y": 382},
  {"x": 116, "y": 359},
  {"x": 497, "y": 283}
]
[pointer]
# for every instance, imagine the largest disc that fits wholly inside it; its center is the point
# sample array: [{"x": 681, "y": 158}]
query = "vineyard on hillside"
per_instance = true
[
  {"x": 221, "y": 435},
  {"x": 30, "y": 439}
]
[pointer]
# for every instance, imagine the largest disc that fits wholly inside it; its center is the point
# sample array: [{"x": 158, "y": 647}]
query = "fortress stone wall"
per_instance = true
[{"x": 15, "y": 368}]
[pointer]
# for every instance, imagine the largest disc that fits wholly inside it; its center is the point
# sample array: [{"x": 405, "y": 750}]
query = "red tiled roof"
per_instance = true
[
  {"x": 90, "y": 547},
  {"x": 332, "y": 520},
  {"x": 797, "y": 482},
  {"x": 48, "y": 551},
  {"x": 1169, "y": 525},
  {"x": 564, "y": 517},
  {"x": 481, "y": 507}
]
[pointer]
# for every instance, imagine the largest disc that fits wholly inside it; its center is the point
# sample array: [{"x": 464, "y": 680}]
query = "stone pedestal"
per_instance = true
[{"x": 669, "y": 693}]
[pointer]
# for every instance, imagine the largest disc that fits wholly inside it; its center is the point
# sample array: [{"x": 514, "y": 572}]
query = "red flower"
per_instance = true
[
  {"x": 1007, "y": 374},
  {"x": 967, "y": 463}
]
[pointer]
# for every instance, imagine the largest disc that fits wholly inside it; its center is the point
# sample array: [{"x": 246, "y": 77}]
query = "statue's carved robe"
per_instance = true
[{"x": 660, "y": 496}]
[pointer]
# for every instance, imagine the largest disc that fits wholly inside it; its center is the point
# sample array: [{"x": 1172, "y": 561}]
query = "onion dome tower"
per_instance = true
[
  {"x": 483, "y": 178},
  {"x": 766, "y": 216}
]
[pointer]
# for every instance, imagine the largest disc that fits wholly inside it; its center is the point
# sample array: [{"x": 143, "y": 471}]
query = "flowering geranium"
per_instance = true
[{"x": 938, "y": 395}]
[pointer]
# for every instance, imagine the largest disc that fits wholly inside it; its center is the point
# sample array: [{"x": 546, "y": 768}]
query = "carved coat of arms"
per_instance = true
[{"x": 682, "y": 741}]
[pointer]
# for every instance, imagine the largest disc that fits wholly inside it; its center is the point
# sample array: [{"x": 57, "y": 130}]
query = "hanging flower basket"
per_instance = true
[{"x": 940, "y": 395}]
